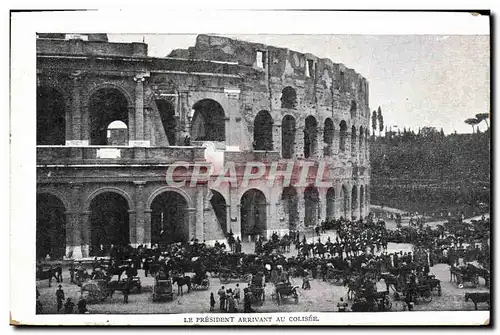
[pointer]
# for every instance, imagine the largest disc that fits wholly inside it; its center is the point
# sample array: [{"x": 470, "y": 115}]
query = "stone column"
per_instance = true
[
  {"x": 299, "y": 143},
  {"x": 147, "y": 228},
  {"x": 132, "y": 227},
  {"x": 75, "y": 122},
  {"x": 73, "y": 236},
  {"x": 277, "y": 136},
  {"x": 301, "y": 204},
  {"x": 233, "y": 96},
  {"x": 319, "y": 153},
  {"x": 139, "y": 214},
  {"x": 199, "y": 218},
  {"x": 234, "y": 212},
  {"x": 322, "y": 204},
  {"x": 191, "y": 223},
  {"x": 139, "y": 110},
  {"x": 270, "y": 223},
  {"x": 85, "y": 233}
]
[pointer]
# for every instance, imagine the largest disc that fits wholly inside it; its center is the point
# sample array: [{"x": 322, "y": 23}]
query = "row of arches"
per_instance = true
[
  {"x": 109, "y": 216},
  {"x": 109, "y": 110},
  {"x": 109, "y": 220}
]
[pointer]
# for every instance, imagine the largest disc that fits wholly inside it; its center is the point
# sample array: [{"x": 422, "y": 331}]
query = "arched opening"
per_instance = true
[
  {"x": 117, "y": 133},
  {"x": 328, "y": 135},
  {"x": 361, "y": 139},
  {"x": 330, "y": 204},
  {"x": 361, "y": 201},
  {"x": 353, "y": 140},
  {"x": 311, "y": 199},
  {"x": 50, "y": 117},
  {"x": 290, "y": 203},
  {"x": 345, "y": 202},
  {"x": 253, "y": 210},
  {"x": 288, "y": 130},
  {"x": 354, "y": 202},
  {"x": 354, "y": 108},
  {"x": 105, "y": 106},
  {"x": 208, "y": 122},
  {"x": 343, "y": 135},
  {"x": 169, "y": 219},
  {"x": 310, "y": 136},
  {"x": 288, "y": 97},
  {"x": 50, "y": 226},
  {"x": 220, "y": 208},
  {"x": 167, "y": 115},
  {"x": 263, "y": 131},
  {"x": 109, "y": 222}
]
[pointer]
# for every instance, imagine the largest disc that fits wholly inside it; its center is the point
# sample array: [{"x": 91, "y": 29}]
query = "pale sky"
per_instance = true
[{"x": 417, "y": 80}]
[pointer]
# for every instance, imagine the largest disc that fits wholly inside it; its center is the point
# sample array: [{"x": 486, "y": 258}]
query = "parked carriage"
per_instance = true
[
  {"x": 200, "y": 283},
  {"x": 285, "y": 290},
  {"x": 465, "y": 274},
  {"x": 335, "y": 276},
  {"x": 371, "y": 301},
  {"x": 162, "y": 290}
]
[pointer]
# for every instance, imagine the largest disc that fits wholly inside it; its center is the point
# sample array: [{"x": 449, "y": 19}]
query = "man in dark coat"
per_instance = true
[{"x": 60, "y": 298}]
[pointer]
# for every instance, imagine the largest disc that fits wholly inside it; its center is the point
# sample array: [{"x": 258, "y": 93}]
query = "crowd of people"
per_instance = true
[{"x": 358, "y": 255}]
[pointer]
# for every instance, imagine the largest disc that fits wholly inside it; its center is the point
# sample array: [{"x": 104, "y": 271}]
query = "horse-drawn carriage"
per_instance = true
[
  {"x": 162, "y": 289},
  {"x": 464, "y": 274},
  {"x": 334, "y": 276},
  {"x": 99, "y": 289},
  {"x": 200, "y": 282},
  {"x": 284, "y": 290},
  {"x": 53, "y": 271},
  {"x": 227, "y": 275},
  {"x": 371, "y": 302}
]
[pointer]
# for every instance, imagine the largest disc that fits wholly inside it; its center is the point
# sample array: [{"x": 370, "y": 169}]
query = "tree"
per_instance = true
[
  {"x": 472, "y": 122},
  {"x": 483, "y": 117},
  {"x": 380, "y": 120},
  {"x": 374, "y": 122}
]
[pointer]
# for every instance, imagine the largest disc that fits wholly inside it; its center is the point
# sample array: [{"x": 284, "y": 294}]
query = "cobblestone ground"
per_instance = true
[{"x": 322, "y": 297}]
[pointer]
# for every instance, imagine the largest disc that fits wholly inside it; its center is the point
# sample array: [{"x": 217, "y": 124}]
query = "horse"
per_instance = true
[
  {"x": 55, "y": 272},
  {"x": 478, "y": 297},
  {"x": 181, "y": 281}
]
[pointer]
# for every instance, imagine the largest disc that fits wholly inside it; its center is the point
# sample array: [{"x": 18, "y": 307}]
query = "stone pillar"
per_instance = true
[
  {"x": 270, "y": 223},
  {"x": 139, "y": 111},
  {"x": 322, "y": 204},
  {"x": 199, "y": 217},
  {"x": 277, "y": 136},
  {"x": 132, "y": 227},
  {"x": 319, "y": 153},
  {"x": 75, "y": 121},
  {"x": 301, "y": 208},
  {"x": 233, "y": 96},
  {"x": 234, "y": 212},
  {"x": 299, "y": 143},
  {"x": 73, "y": 219},
  {"x": 139, "y": 214},
  {"x": 85, "y": 234},
  {"x": 147, "y": 228},
  {"x": 191, "y": 223}
]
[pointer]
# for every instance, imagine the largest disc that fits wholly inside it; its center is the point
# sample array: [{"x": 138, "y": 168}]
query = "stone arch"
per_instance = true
[
  {"x": 169, "y": 218},
  {"x": 55, "y": 193},
  {"x": 167, "y": 115},
  {"x": 342, "y": 136},
  {"x": 111, "y": 190},
  {"x": 120, "y": 88},
  {"x": 288, "y": 98},
  {"x": 253, "y": 213},
  {"x": 107, "y": 104},
  {"x": 263, "y": 131},
  {"x": 289, "y": 198},
  {"x": 51, "y": 225},
  {"x": 51, "y": 114},
  {"x": 288, "y": 130},
  {"x": 330, "y": 203},
  {"x": 328, "y": 137},
  {"x": 353, "y": 140},
  {"x": 208, "y": 122},
  {"x": 310, "y": 136},
  {"x": 311, "y": 202},
  {"x": 162, "y": 189},
  {"x": 354, "y": 109}
]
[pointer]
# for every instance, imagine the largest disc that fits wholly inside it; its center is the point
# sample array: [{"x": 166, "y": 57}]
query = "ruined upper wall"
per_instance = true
[{"x": 90, "y": 47}]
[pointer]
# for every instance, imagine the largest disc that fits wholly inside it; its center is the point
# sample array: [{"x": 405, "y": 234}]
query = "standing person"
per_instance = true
[
  {"x": 82, "y": 305},
  {"x": 72, "y": 272},
  {"x": 126, "y": 291},
  {"x": 212, "y": 302},
  {"x": 247, "y": 301},
  {"x": 60, "y": 298},
  {"x": 237, "y": 294},
  {"x": 222, "y": 299},
  {"x": 342, "y": 305},
  {"x": 69, "y": 306}
]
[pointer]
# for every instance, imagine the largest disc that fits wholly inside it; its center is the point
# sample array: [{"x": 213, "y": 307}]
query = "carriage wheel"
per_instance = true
[
  {"x": 224, "y": 277},
  {"x": 427, "y": 296}
]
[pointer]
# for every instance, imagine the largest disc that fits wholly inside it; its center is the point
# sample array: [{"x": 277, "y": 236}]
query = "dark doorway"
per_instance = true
[
  {"x": 105, "y": 106},
  {"x": 288, "y": 136},
  {"x": 50, "y": 117},
  {"x": 50, "y": 227},
  {"x": 169, "y": 219},
  {"x": 167, "y": 115},
  {"x": 263, "y": 131},
  {"x": 253, "y": 214},
  {"x": 290, "y": 203},
  {"x": 208, "y": 122}
]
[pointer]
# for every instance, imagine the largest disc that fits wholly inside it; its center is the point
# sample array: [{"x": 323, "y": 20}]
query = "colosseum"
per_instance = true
[{"x": 112, "y": 122}]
